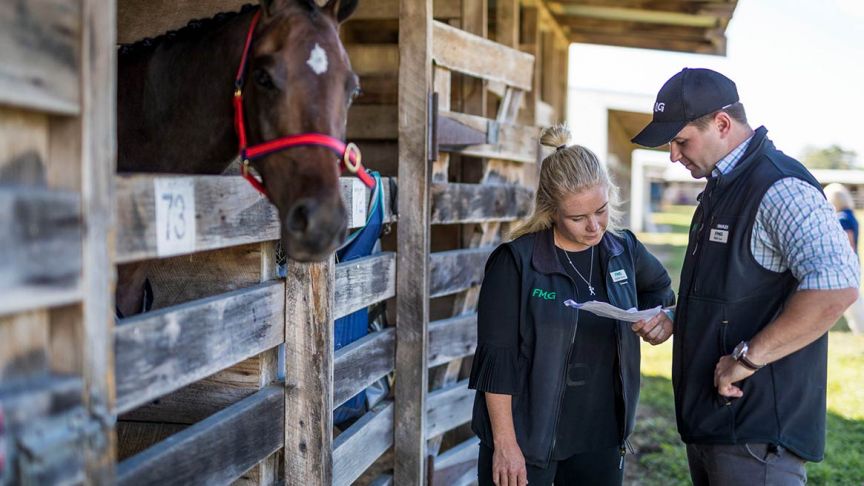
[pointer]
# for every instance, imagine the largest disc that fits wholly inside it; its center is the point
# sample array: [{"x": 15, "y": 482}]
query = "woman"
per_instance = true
[
  {"x": 842, "y": 201},
  {"x": 557, "y": 388}
]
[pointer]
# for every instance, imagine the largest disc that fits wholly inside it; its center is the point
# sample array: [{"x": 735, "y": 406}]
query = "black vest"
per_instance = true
[
  {"x": 727, "y": 297},
  {"x": 547, "y": 330}
]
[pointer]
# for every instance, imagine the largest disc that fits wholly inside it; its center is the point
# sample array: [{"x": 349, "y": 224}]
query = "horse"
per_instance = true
[{"x": 175, "y": 114}]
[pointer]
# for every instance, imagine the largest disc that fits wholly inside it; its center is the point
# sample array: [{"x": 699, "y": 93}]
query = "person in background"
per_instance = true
[
  {"x": 767, "y": 272},
  {"x": 842, "y": 201},
  {"x": 557, "y": 388}
]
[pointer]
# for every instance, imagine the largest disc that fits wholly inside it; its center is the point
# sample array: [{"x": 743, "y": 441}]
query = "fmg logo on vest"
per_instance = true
[{"x": 543, "y": 294}]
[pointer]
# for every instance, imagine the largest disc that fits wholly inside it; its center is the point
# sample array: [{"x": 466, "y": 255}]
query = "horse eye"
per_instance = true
[{"x": 262, "y": 78}]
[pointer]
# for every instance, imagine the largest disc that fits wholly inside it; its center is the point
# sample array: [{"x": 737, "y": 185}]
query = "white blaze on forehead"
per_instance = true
[{"x": 317, "y": 60}]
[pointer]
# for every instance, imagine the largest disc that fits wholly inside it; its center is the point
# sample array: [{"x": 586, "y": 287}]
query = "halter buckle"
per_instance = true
[{"x": 352, "y": 166}]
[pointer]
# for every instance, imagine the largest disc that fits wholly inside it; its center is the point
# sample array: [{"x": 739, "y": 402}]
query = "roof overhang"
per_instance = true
[{"x": 696, "y": 26}]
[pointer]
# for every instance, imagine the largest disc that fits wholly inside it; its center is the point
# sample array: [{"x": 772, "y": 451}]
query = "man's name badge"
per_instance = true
[
  {"x": 618, "y": 275},
  {"x": 719, "y": 234}
]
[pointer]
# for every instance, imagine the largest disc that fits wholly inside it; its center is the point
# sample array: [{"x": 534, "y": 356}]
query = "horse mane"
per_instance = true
[{"x": 194, "y": 28}]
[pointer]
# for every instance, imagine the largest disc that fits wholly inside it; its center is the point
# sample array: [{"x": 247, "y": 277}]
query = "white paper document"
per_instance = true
[{"x": 603, "y": 309}]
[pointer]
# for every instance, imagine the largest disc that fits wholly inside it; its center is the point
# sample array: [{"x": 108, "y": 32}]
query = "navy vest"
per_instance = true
[{"x": 727, "y": 297}]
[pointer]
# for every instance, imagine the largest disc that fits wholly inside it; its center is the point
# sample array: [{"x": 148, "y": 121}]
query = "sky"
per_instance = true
[{"x": 798, "y": 65}]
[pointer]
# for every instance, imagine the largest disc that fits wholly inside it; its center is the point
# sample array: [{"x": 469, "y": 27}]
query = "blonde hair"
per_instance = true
[
  {"x": 839, "y": 196},
  {"x": 568, "y": 170}
]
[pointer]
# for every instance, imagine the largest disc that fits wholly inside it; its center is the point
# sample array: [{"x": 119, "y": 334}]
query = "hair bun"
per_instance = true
[{"x": 555, "y": 136}]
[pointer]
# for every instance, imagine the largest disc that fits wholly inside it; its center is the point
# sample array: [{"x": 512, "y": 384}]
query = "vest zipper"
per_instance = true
[{"x": 563, "y": 379}]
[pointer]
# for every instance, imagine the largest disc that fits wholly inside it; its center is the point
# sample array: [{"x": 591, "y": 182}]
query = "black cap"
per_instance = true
[{"x": 685, "y": 97}]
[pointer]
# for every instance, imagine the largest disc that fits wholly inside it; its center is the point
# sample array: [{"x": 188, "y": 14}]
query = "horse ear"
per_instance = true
[{"x": 340, "y": 9}]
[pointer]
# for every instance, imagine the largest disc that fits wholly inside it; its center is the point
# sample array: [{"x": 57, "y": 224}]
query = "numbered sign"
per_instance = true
[{"x": 175, "y": 216}]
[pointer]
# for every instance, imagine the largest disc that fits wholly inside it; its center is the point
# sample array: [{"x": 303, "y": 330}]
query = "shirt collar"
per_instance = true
[{"x": 726, "y": 164}]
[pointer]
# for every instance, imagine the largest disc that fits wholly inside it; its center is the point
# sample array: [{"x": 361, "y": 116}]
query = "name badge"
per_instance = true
[
  {"x": 618, "y": 275},
  {"x": 719, "y": 236}
]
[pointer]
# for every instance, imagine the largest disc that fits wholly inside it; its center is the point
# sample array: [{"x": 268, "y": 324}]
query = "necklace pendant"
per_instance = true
[{"x": 591, "y": 290}]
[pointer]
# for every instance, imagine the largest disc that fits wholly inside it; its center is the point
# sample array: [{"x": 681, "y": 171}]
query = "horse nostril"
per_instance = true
[{"x": 298, "y": 217}]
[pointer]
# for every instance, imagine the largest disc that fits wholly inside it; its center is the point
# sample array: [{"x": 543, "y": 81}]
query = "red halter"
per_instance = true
[{"x": 349, "y": 154}]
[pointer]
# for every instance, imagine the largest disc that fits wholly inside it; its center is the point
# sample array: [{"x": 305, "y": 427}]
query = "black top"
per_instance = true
[{"x": 588, "y": 418}]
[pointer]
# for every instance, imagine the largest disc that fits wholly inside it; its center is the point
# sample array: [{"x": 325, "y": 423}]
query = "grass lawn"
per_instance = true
[{"x": 660, "y": 458}]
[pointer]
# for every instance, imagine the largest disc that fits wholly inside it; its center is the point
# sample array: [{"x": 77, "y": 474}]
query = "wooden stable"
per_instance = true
[{"x": 455, "y": 92}]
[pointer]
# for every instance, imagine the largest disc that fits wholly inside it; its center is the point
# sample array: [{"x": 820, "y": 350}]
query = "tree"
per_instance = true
[{"x": 833, "y": 157}]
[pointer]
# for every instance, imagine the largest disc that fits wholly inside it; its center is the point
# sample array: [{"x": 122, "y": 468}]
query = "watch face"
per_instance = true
[{"x": 740, "y": 349}]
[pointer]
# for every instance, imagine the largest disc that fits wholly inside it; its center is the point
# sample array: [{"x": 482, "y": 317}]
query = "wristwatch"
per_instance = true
[{"x": 739, "y": 354}]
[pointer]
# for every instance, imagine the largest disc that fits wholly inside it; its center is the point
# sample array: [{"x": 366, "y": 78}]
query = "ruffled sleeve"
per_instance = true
[
  {"x": 495, "y": 370},
  {"x": 496, "y": 365}
]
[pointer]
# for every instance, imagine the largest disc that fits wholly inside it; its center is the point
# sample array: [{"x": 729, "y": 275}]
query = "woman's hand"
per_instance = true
[
  {"x": 508, "y": 465},
  {"x": 655, "y": 330}
]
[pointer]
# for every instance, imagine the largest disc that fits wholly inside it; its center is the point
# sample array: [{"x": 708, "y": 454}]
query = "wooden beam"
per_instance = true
[
  {"x": 413, "y": 241},
  {"x": 449, "y": 407},
  {"x": 475, "y": 56},
  {"x": 456, "y": 270},
  {"x": 518, "y": 143},
  {"x": 216, "y": 450},
  {"x": 228, "y": 212},
  {"x": 363, "y": 282},
  {"x": 308, "y": 422},
  {"x": 389, "y": 9},
  {"x": 162, "y": 351},
  {"x": 374, "y": 59},
  {"x": 546, "y": 20},
  {"x": 452, "y": 338},
  {"x": 40, "y": 44},
  {"x": 41, "y": 248},
  {"x": 507, "y": 22},
  {"x": 361, "y": 363},
  {"x": 137, "y": 19},
  {"x": 370, "y": 122},
  {"x": 358, "y": 447},
  {"x": 477, "y": 203},
  {"x": 714, "y": 46}
]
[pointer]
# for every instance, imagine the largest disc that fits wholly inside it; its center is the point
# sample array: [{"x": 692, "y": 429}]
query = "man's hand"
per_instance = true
[
  {"x": 727, "y": 372},
  {"x": 655, "y": 330},
  {"x": 508, "y": 465}
]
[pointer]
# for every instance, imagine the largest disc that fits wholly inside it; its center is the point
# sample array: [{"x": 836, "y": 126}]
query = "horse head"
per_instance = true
[{"x": 299, "y": 80}]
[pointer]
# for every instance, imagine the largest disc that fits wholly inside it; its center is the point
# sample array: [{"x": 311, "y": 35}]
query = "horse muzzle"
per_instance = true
[{"x": 311, "y": 231}]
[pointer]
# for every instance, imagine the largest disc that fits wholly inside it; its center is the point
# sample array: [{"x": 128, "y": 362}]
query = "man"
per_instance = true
[{"x": 767, "y": 272}]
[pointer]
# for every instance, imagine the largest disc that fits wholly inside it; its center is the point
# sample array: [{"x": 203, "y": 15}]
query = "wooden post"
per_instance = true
[
  {"x": 98, "y": 155},
  {"x": 309, "y": 373},
  {"x": 412, "y": 281}
]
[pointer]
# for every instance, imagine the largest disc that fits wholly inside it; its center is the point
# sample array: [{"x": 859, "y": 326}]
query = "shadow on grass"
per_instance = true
[{"x": 661, "y": 458}]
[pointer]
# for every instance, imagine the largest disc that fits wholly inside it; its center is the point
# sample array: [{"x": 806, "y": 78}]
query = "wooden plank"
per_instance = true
[
  {"x": 41, "y": 248},
  {"x": 413, "y": 241},
  {"x": 308, "y": 422},
  {"x": 24, "y": 346},
  {"x": 161, "y": 351},
  {"x": 228, "y": 212},
  {"x": 361, "y": 363},
  {"x": 40, "y": 44},
  {"x": 473, "y": 55},
  {"x": 449, "y": 407},
  {"x": 374, "y": 59},
  {"x": 389, "y": 9},
  {"x": 507, "y": 22},
  {"x": 24, "y": 147},
  {"x": 515, "y": 142},
  {"x": 201, "y": 399},
  {"x": 137, "y": 19},
  {"x": 364, "y": 282},
  {"x": 456, "y": 462},
  {"x": 370, "y": 122},
  {"x": 456, "y": 270},
  {"x": 477, "y": 203},
  {"x": 452, "y": 338},
  {"x": 216, "y": 450},
  {"x": 358, "y": 447}
]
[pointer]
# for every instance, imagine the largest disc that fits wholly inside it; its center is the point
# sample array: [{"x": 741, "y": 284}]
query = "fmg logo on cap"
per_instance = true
[
  {"x": 659, "y": 106},
  {"x": 543, "y": 294}
]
